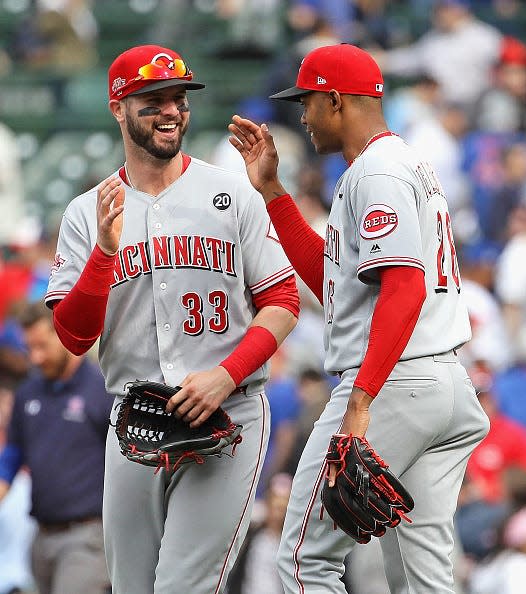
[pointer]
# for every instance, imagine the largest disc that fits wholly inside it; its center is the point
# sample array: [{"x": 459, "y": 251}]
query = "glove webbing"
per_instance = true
[
  {"x": 383, "y": 485},
  {"x": 362, "y": 477},
  {"x": 165, "y": 462}
]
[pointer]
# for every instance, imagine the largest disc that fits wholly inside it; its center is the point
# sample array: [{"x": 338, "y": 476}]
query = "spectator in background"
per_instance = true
[
  {"x": 503, "y": 447},
  {"x": 505, "y": 571},
  {"x": 254, "y": 27},
  {"x": 446, "y": 52},
  {"x": 438, "y": 139},
  {"x": 285, "y": 405},
  {"x": 510, "y": 193},
  {"x": 413, "y": 103},
  {"x": 476, "y": 523},
  {"x": 14, "y": 363},
  {"x": 510, "y": 281},
  {"x": 311, "y": 29},
  {"x": 11, "y": 187},
  {"x": 480, "y": 524},
  {"x": 16, "y": 526},
  {"x": 502, "y": 107},
  {"x": 314, "y": 392},
  {"x": 24, "y": 275},
  {"x": 255, "y": 571},
  {"x": 478, "y": 518},
  {"x": 59, "y": 35},
  {"x": 25, "y": 265},
  {"x": 510, "y": 390},
  {"x": 489, "y": 343},
  {"x": 58, "y": 429},
  {"x": 314, "y": 210},
  {"x": 304, "y": 16},
  {"x": 315, "y": 31},
  {"x": 362, "y": 22}
]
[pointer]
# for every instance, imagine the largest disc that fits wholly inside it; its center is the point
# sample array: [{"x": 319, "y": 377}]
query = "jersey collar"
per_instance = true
[
  {"x": 370, "y": 141},
  {"x": 186, "y": 162}
]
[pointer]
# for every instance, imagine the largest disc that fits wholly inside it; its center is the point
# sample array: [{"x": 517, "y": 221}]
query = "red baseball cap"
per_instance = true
[
  {"x": 344, "y": 68},
  {"x": 147, "y": 68},
  {"x": 512, "y": 51}
]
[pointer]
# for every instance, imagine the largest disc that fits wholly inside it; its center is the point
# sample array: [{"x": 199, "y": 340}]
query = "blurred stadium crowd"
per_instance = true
[{"x": 455, "y": 75}]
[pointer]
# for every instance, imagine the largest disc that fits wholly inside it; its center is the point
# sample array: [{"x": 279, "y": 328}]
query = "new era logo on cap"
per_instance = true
[{"x": 321, "y": 80}]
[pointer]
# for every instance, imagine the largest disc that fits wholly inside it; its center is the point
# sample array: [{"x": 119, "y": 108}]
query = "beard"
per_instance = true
[
  {"x": 55, "y": 368},
  {"x": 145, "y": 139}
]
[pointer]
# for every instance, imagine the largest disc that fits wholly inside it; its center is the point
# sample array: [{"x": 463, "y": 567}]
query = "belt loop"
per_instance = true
[{"x": 255, "y": 387}]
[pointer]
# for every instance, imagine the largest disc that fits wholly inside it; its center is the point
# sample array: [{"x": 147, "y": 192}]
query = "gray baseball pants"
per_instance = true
[
  {"x": 180, "y": 532},
  {"x": 425, "y": 422}
]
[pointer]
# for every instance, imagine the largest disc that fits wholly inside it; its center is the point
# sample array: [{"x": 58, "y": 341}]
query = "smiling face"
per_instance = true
[
  {"x": 319, "y": 119},
  {"x": 157, "y": 121}
]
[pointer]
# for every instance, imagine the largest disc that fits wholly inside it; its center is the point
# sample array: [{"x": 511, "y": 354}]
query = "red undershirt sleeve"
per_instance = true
[
  {"x": 402, "y": 294},
  {"x": 303, "y": 246},
  {"x": 283, "y": 294},
  {"x": 79, "y": 317},
  {"x": 259, "y": 344}
]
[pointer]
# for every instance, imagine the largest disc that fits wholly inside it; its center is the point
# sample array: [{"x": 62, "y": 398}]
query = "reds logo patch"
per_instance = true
[
  {"x": 58, "y": 262},
  {"x": 378, "y": 220}
]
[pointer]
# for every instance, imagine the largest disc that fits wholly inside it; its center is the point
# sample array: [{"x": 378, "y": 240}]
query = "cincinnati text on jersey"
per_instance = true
[
  {"x": 332, "y": 244},
  {"x": 175, "y": 251}
]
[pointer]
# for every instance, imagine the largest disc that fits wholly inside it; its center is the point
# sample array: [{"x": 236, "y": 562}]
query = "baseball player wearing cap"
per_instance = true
[
  {"x": 175, "y": 265},
  {"x": 387, "y": 276}
]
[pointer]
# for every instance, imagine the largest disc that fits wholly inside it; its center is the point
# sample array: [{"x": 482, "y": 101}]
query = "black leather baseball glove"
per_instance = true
[
  {"x": 367, "y": 498},
  {"x": 149, "y": 435}
]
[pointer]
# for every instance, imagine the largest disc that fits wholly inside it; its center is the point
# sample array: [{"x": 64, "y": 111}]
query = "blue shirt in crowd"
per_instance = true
[{"x": 58, "y": 430}]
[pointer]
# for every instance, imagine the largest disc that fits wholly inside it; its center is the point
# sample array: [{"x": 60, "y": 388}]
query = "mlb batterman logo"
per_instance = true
[{"x": 378, "y": 220}]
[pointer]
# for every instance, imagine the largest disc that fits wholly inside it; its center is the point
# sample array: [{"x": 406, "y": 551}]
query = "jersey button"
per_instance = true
[
  {"x": 163, "y": 286},
  {"x": 156, "y": 207},
  {"x": 167, "y": 326},
  {"x": 170, "y": 366},
  {"x": 158, "y": 225}
]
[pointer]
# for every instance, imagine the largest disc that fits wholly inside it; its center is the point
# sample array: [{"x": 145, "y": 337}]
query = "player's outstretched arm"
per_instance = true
[{"x": 256, "y": 145}]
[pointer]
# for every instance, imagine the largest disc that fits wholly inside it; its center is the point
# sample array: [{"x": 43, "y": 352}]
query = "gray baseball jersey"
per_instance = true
[
  {"x": 389, "y": 209},
  {"x": 189, "y": 262},
  {"x": 400, "y": 218}
]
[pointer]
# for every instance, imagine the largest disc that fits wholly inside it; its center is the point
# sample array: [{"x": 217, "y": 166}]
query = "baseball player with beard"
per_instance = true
[
  {"x": 388, "y": 279},
  {"x": 175, "y": 265}
]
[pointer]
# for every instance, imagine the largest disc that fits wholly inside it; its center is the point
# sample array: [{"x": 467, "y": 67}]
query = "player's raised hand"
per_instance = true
[
  {"x": 110, "y": 206},
  {"x": 256, "y": 146}
]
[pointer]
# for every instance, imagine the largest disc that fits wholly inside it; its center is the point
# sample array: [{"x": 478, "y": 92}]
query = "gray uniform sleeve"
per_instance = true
[
  {"x": 388, "y": 226},
  {"x": 264, "y": 261},
  {"x": 73, "y": 250}
]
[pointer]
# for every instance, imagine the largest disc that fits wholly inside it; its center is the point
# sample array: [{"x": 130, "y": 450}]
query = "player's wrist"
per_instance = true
[
  {"x": 226, "y": 379},
  {"x": 102, "y": 254},
  {"x": 105, "y": 250},
  {"x": 271, "y": 190}
]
